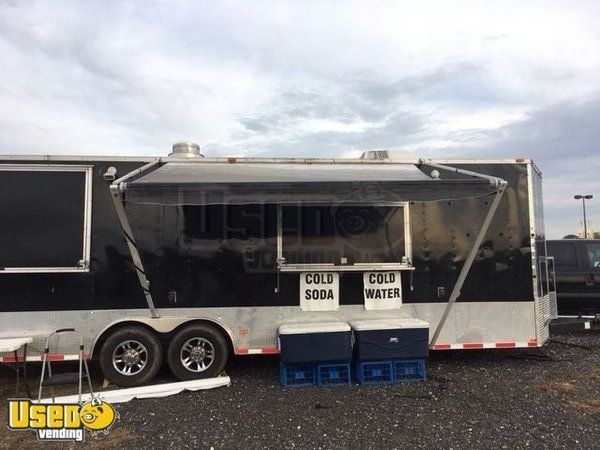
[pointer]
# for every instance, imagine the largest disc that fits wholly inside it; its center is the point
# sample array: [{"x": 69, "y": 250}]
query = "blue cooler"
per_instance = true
[
  {"x": 390, "y": 339},
  {"x": 315, "y": 342}
]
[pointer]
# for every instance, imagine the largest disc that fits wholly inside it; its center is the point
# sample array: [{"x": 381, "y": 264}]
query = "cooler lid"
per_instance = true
[
  {"x": 410, "y": 322},
  {"x": 313, "y": 327},
  {"x": 388, "y": 324}
]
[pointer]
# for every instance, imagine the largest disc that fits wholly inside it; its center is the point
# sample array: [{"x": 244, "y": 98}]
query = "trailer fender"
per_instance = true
[{"x": 160, "y": 325}]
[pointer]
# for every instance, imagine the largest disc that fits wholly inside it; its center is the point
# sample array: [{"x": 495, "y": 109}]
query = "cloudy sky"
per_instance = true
[{"x": 309, "y": 78}]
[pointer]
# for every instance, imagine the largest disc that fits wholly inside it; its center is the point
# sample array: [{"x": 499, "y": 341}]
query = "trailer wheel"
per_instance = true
[
  {"x": 131, "y": 356},
  {"x": 197, "y": 351}
]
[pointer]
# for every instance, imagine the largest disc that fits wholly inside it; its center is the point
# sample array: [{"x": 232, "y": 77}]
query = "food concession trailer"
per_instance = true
[{"x": 188, "y": 260}]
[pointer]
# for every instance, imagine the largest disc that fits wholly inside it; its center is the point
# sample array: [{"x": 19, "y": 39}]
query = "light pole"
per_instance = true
[{"x": 583, "y": 198}]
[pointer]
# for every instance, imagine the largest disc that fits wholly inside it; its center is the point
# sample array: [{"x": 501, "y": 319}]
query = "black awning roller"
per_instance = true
[{"x": 245, "y": 183}]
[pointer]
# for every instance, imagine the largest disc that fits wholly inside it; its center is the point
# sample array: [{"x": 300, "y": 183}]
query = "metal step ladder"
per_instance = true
[{"x": 68, "y": 377}]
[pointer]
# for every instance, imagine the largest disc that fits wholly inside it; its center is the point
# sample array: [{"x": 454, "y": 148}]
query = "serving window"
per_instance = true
[
  {"x": 46, "y": 218},
  {"x": 343, "y": 238}
]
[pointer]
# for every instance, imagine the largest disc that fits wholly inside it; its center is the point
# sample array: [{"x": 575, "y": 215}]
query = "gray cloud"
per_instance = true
[
  {"x": 379, "y": 108},
  {"x": 398, "y": 129},
  {"x": 309, "y": 79},
  {"x": 564, "y": 140},
  {"x": 560, "y": 130}
]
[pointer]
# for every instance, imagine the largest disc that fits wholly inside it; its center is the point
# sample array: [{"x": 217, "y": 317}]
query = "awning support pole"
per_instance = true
[
  {"x": 462, "y": 276},
  {"x": 135, "y": 172},
  {"x": 494, "y": 181},
  {"x": 135, "y": 254}
]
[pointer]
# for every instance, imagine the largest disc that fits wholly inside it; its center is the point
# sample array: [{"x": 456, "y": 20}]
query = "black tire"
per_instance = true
[
  {"x": 116, "y": 343},
  {"x": 201, "y": 336}
]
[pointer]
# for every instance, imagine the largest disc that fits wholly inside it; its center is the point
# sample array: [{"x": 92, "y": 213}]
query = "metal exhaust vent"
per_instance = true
[
  {"x": 187, "y": 150},
  {"x": 388, "y": 155}
]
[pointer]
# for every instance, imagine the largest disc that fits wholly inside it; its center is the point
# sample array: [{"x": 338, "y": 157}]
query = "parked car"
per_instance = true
[{"x": 577, "y": 266}]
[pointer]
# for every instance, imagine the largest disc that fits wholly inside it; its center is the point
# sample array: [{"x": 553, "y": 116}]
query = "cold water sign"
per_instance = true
[
  {"x": 382, "y": 290},
  {"x": 319, "y": 291}
]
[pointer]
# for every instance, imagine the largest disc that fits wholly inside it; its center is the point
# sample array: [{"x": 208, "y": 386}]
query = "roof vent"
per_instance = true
[
  {"x": 387, "y": 155},
  {"x": 186, "y": 150},
  {"x": 375, "y": 154}
]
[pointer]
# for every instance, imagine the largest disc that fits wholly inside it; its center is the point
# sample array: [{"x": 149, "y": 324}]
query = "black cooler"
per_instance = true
[
  {"x": 315, "y": 342},
  {"x": 390, "y": 339}
]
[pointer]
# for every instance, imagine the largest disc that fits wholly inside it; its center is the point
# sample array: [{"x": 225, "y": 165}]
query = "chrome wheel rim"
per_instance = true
[
  {"x": 197, "y": 354},
  {"x": 130, "y": 357}
]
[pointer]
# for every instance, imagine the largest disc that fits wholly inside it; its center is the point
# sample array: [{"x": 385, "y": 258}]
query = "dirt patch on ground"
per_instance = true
[
  {"x": 588, "y": 406},
  {"x": 556, "y": 386},
  {"x": 575, "y": 390}
]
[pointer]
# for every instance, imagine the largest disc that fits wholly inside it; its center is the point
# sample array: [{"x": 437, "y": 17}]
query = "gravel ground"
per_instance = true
[{"x": 472, "y": 399}]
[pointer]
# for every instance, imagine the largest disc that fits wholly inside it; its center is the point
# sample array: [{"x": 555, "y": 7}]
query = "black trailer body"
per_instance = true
[{"x": 240, "y": 262}]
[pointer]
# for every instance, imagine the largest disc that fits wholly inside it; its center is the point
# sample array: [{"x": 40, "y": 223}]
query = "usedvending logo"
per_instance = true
[{"x": 61, "y": 421}]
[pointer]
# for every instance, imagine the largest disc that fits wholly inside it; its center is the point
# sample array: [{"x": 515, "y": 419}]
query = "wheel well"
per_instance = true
[
  {"x": 220, "y": 328},
  {"x": 117, "y": 326},
  {"x": 163, "y": 337}
]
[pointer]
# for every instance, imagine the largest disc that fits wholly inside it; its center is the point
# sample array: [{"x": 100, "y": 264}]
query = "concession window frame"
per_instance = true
[
  {"x": 283, "y": 266},
  {"x": 84, "y": 263}
]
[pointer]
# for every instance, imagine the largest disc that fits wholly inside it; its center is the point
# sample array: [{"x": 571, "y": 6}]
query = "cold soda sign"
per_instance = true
[
  {"x": 319, "y": 291},
  {"x": 382, "y": 290}
]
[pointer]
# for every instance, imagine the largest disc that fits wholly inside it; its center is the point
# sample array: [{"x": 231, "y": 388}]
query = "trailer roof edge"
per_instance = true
[{"x": 259, "y": 159}]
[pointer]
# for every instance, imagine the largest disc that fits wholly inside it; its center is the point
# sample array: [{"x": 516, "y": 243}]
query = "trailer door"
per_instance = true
[{"x": 46, "y": 218}]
